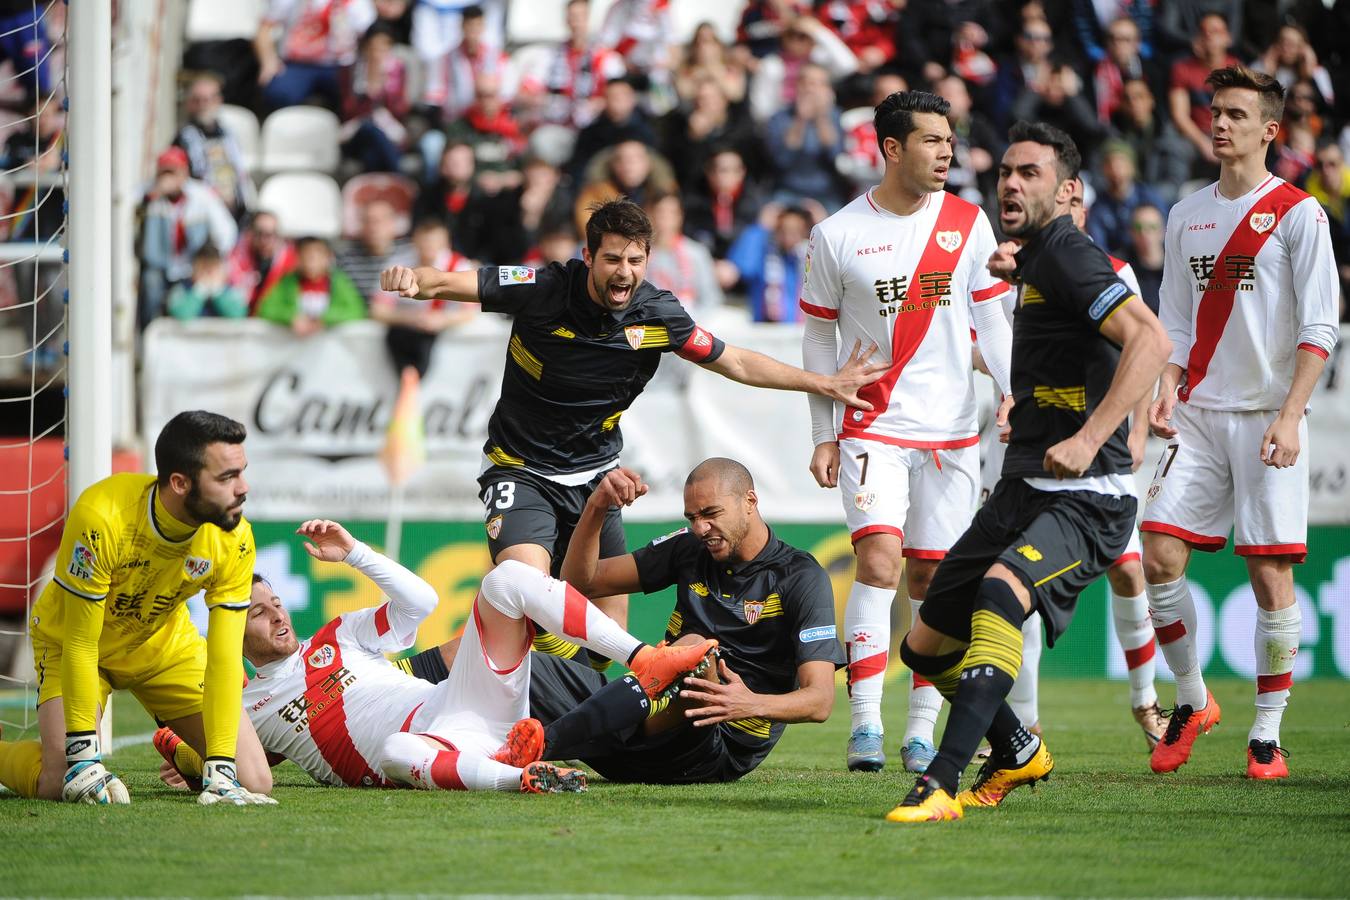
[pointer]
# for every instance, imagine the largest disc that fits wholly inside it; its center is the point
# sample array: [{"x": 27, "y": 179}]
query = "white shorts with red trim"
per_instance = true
[
  {"x": 1211, "y": 479},
  {"x": 482, "y": 698},
  {"x": 924, "y": 497}
]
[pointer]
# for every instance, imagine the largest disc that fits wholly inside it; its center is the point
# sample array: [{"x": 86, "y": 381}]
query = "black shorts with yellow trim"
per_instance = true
[
  {"x": 520, "y": 507},
  {"x": 1057, "y": 542}
]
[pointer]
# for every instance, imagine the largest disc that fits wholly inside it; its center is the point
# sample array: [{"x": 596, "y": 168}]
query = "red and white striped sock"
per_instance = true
[
  {"x": 1134, "y": 631},
  {"x": 925, "y": 701},
  {"x": 410, "y": 760},
  {"x": 1172, "y": 609},
  {"x": 523, "y": 592},
  {"x": 867, "y": 633},
  {"x": 1277, "y": 637}
]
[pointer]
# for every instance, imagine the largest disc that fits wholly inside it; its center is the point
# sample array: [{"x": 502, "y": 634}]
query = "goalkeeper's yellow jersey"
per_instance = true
[{"x": 144, "y": 564}]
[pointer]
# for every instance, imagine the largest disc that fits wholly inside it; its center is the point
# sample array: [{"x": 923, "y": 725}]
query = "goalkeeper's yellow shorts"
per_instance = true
[{"x": 166, "y": 673}]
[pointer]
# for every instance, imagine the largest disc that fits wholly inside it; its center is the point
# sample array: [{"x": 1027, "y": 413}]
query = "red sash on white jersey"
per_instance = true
[
  {"x": 1215, "y": 307},
  {"x": 326, "y": 713},
  {"x": 909, "y": 328}
]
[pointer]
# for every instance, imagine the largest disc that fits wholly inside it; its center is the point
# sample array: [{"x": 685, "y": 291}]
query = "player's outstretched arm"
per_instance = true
[
  {"x": 582, "y": 566},
  {"x": 812, "y": 701},
  {"x": 1144, "y": 351},
  {"x": 758, "y": 370},
  {"x": 411, "y": 599},
  {"x": 430, "y": 283}
]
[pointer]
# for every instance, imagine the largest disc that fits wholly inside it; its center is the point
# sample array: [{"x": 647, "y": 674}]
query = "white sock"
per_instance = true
[
  {"x": 1024, "y": 698},
  {"x": 867, "y": 633},
  {"x": 924, "y": 700},
  {"x": 1134, "y": 631},
  {"x": 407, "y": 759},
  {"x": 523, "y": 592},
  {"x": 1173, "y": 612},
  {"x": 1277, "y": 636}
]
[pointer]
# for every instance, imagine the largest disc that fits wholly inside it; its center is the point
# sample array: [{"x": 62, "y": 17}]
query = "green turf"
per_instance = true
[{"x": 799, "y": 825}]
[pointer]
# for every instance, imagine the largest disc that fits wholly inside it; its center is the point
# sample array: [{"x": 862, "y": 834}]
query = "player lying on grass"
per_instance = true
[{"x": 346, "y": 715}]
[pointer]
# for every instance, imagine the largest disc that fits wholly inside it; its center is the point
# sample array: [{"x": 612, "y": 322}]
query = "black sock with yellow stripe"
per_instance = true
[{"x": 987, "y": 675}]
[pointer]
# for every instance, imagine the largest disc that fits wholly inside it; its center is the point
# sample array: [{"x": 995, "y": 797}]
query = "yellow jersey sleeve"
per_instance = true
[
  {"x": 79, "y": 660},
  {"x": 233, "y": 584},
  {"x": 84, "y": 567},
  {"x": 85, "y": 563},
  {"x": 223, "y": 688}
]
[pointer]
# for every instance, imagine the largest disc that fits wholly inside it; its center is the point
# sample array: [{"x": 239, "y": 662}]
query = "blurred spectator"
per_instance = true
[
  {"x": 374, "y": 103},
  {"x": 1117, "y": 196},
  {"x": 397, "y": 17},
  {"x": 489, "y": 126},
  {"x": 25, "y": 43},
  {"x": 946, "y": 28},
  {"x": 35, "y": 211},
  {"x": 1291, "y": 59},
  {"x": 213, "y": 153},
  {"x": 1095, "y": 22},
  {"x": 451, "y": 77},
  {"x": 1295, "y": 151},
  {"x": 1145, "y": 253},
  {"x": 641, "y": 32},
  {"x": 1028, "y": 69},
  {"x": 973, "y": 174},
  {"x": 303, "y": 44},
  {"x": 806, "y": 41},
  {"x": 207, "y": 293},
  {"x": 260, "y": 258},
  {"x": 541, "y": 200},
  {"x": 568, "y": 90},
  {"x": 375, "y": 248},
  {"x": 706, "y": 57},
  {"x": 1329, "y": 182},
  {"x": 1179, "y": 21},
  {"x": 763, "y": 23},
  {"x": 721, "y": 204},
  {"x": 438, "y": 25},
  {"x": 1059, "y": 101},
  {"x": 1188, "y": 96},
  {"x": 178, "y": 217},
  {"x": 710, "y": 122},
  {"x": 415, "y": 324},
  {"x": 803, "y": 140},
  {"x": 630, "y": 169},
  {"x": 317, "y": 295},
  {"x": 860, "y": 157},
  {"x": 969, "y": 58},
  {"x": 769, "y": 257},
  {"x": 1164, "y": 156},
  {"x": 680, "y": 265},
  {"x": 1124, "y": 61},
  {"x": 1300, "y": 109},
  {"x": 867, "y": 27},
  {"x": 620, "y": 119},
  {"x": 557, "y": 243},
  {"x": 456, "y": 199}
]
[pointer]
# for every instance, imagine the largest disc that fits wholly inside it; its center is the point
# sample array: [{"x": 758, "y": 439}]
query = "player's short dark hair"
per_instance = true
[
  {"x": 1269, "y": 91},
  {"x": 471, "y": 12},
  {"x": 730, "y": 474},
  {"x": 894, "y": 116},
  {"x": 182, "y": 442},
  {"x": 619, "y": 216},
  {"x": 261, "y": 579},
  {"x": 1067, "y": 158}
]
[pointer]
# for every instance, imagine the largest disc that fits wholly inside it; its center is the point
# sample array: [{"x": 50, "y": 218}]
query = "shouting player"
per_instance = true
[
  {"x": 1249, "y": 301},
  {"x": 134, "y": 549},
  {"x": 902, "y": 267},
  {"x": 1084, "y": 353}
]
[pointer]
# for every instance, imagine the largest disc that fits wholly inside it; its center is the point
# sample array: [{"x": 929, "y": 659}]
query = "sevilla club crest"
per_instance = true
[
  {"x": 1262, "y": 222},
  {"x": 753, "y": 610},
  {"x": 635, "y": 333},
  {"x": 494, "y": 526},
  {"x": 948, "y": 240}
]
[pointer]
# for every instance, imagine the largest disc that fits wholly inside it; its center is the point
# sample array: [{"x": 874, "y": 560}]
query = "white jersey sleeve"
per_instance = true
[
  {"x": 822, "y": 291},
  {"x": 1126, "y": 274},
  {"x": 391, "y": 626},
  {"x": 1174, "y": 295},
  {"x": 987, "y": 293},
  {"x": 1316, "y": 284}
]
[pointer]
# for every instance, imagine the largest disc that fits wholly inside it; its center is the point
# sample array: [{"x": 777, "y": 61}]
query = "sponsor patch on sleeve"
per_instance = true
[
  {"x": 819, "y": 633},
  {"x": 665, "y": 537},
  {"x": 1105, "y": 300},
  {"x": 515, "y": 275}
]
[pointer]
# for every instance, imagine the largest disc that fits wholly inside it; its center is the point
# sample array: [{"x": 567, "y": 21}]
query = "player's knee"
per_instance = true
[
  {"x": 1127, "y": 579},
  {"x": 1004, "y": 575},
  {"x": 502, "y": 586},
  {"x": 918, "y": 576},
  {"x": 879, "y": 563},
  {"x": 1272, "y": 581},
  {"x": 257, "y": 778},
  {"x": 1164, "y": 558}
]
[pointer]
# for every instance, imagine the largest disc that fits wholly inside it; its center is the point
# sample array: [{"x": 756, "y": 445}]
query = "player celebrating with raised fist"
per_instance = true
[
  {"x": 1249, "y": 301},
  {"x": 902, "y": 267}
]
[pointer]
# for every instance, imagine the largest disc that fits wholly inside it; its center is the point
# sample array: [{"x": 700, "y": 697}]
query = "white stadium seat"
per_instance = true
[
  {"x": 304, "y": 203},
  {"x": 300, "y": 138},
  {"x": 243, "y": 124},
  {"x": 543, "y": 20},
  {"x": 687, "y": 15},
  {"x": 212, "y": 20}
]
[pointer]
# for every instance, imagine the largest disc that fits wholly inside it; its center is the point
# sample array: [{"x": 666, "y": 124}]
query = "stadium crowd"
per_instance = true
[{"x": 455, "y": 147}]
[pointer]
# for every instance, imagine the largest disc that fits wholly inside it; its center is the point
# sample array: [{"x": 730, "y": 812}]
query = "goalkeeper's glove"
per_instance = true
[
  {"x": 87, "y": 781},
  {"x": 220, "y": 784}
]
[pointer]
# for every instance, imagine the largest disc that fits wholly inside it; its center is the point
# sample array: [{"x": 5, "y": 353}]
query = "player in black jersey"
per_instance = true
[
  {"x": 587, "y": 337},
  {"x": 1085, "y": 350}
]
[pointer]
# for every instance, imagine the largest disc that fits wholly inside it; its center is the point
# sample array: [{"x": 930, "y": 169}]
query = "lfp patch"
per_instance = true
[
  {"x": 196, "y": 567},
  {"x": 515, "y": 275},
  {"x": 81, "y": 562}
]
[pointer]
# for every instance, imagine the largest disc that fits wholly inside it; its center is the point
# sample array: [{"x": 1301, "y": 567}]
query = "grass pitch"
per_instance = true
[{"x": 799, "y": 826}]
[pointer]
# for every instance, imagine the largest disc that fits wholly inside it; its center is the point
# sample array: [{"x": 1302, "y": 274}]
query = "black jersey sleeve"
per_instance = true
[
  {"x": 809, "y": 600},
  {"x": 658, "y": 563},
  {"x": 1081, "y": 277},
  {"x": 520, "y": 290},
  {"x": 683, "y": 335}
]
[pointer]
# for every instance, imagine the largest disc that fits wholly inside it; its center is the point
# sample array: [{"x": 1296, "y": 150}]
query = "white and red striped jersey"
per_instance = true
[
  {"x": 1246, "y": 283},
  {"x": 451, "y": 79},
  {"x": 911, "y": 284},
  {"x": 329, "y": 706}
]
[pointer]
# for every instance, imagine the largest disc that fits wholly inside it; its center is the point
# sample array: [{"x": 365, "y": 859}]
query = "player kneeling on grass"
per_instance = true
[{"x": 340, "y": 710}]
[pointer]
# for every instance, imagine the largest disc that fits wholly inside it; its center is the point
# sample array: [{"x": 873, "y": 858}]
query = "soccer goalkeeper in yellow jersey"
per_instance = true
[{"x": 134, "y": 549}]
